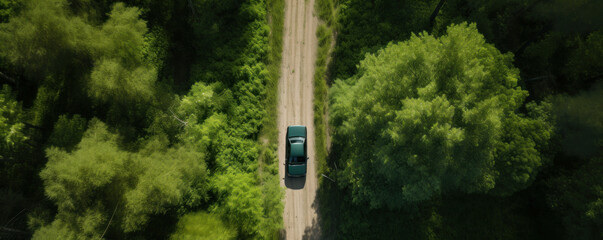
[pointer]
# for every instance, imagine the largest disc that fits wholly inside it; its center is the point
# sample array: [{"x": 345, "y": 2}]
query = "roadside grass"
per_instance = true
[
  {"x": 326, "y": 13},
  {"x": 268, "y": 136},
  {"x": 276, "y": 11},
  {"x": 320, "y": 95}
]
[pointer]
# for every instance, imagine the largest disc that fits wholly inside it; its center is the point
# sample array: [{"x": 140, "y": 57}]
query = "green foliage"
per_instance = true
[
  {"x": 111, "y": 82},
  {"x": 120, "y": 77},
  {"x": 8, "y": 8},
  {"x": 543, "y": 35},
  {"x": 201, "y": 225},
  {"x": 60, "y": 230},
  {"x": 45, "y": 105},
  {"x": 70, "y": 57},
  {"x": 326, "y": 11},
  {"x": 585, "y": 64},
  {"x": 524, "y": 148},
  {"x": 502, "y": 22},
  {"x": 241, "y": 201},
  {"x": 122, "y": 36},
  {"x": 67, "y": 131},
  {"x": 432, "y": 115},
  {"x": 45, "y": 39},
  {"x": 471, "y": 216},
  {"x": 320, "y": 92},
  {"x": 11, "y": 126},
  {"x": 575, "y": 191},
  {"x": 98, "y": 59},
  {"x": 272, "y": 195},
  {"x": 155, "y": 50},
  {"x": 98, "y": 178},
  {"x": 578, "y": 120},
  {"x": 577, "y": 196},
  {"x": 276, "y": 9},
  {"x": 366, "y": 26},
  {"x": 556, "y": 48},
  {"x": 225, "y": 109},
  {"x": 254, "y": 209},
  {"x": 203, "y": 100},
  {"x": 269, "y": 176}
]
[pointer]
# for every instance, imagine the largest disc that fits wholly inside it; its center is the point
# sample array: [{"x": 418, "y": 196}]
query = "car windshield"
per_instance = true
[
  {"x": 296, "y": 140},
  {"x": 297, "y": 160}
]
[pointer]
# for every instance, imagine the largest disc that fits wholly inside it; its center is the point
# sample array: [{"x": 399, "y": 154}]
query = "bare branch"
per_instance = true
[
  {"x": 184, "y": 123},
  {"x": 12, "y": 230},
  {"x": 328, "y": 177},
  {"x": 10, "y": 80},
  {"x": 111, "y": 219},
  {"x": 435, "y": 12}
]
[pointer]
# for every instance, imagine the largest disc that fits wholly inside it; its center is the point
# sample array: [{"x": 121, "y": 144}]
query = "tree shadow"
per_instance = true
[
  {"x": 313, "y": 232},
  {"x": 295, "y": 182}
]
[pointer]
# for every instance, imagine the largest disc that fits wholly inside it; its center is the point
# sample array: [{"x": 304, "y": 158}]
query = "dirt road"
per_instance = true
[{"x": 295, "y": 108}]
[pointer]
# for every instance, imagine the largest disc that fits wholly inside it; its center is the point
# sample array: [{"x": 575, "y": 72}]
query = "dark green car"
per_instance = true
[{"x": 297, "y": 155}]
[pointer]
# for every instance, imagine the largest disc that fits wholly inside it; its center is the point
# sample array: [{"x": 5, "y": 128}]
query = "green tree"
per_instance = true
[
  {"x": 98, "y": 181},
  {"x": 584, "y": 64},
  {"x": 120, "y": 78},
  {"x": 433, "y": 115},
  {"x": 45, "y": 39},
  {"x": 74, "y": 60}
]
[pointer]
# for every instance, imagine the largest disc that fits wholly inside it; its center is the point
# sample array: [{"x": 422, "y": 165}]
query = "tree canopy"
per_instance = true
[
  {"x": 433, "y": 115},
  {"x": 98, "y": 178},
  {"x": 135, "y": 113}
]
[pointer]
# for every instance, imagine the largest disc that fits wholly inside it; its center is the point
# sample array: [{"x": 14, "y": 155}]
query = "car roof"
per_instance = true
[
  {"x": 296, "y": 131},
  {"x": 297, "y": 150}
]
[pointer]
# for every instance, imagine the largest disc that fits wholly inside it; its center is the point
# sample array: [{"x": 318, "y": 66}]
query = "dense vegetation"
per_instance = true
[
  {"x": 138, "y": 119},
  {"x": 451, "y": 119},
  {"x": 440, "y": 115},
  {"x": 448, "y": 130}
]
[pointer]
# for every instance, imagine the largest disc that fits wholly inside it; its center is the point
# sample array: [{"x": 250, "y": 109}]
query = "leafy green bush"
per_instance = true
[
  {"x": 11, "y": 127},
  {"x": 247, "y": 191},
  {"x": 202, "y": 225}
]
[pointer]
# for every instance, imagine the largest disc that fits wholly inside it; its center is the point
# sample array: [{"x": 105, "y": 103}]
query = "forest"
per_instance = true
[
  {"x": 464, "y": 119},
  {"x": 446, "y": 119},
  {"x": 139, "y": 119}
]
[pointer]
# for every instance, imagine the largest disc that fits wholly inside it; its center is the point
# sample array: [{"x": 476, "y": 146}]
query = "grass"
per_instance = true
[
  {"x": 326, "y": 11},
  {"x": 276, "y": 11},
  {"x": 268, "y": 136}
]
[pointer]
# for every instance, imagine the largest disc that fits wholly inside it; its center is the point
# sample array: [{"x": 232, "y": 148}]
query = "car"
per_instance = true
[{"x": 296, "y": 158}]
